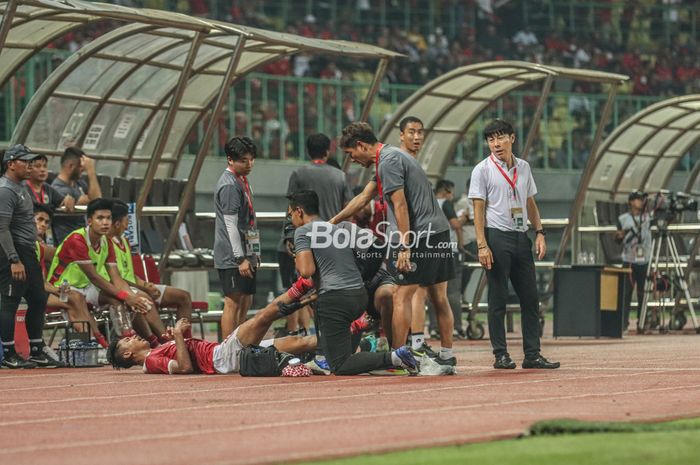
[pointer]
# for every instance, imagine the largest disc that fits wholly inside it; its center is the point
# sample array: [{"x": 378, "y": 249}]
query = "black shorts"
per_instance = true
[
  {"x": 35, "y": 280},
  {"x": 382, "y": 278},
  {"x": 287, "y": 267},
  {"x": 233, "y": 283},
  {"x": 434, "y": 261}
]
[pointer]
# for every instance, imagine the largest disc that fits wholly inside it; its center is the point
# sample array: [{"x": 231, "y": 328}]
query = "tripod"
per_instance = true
[{"x": 672, "y": 260}]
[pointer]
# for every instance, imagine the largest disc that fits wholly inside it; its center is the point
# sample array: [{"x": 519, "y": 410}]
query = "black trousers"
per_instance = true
[
  {"x": 512, "y": 260},
  {"x": 12, "y": 291},
  {"x": 335, "y": 310},
  {"x": 637, "y": 278}
]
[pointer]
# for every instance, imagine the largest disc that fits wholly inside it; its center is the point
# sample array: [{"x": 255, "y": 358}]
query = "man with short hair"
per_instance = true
[
  {"x": 20, "y": 273},
  {"x": 236, "y": 236},
  {"x": 75, "y": 304},
  {"x": 85, "y": 259},
  {"x": 634, "y": 232},
  {"x": 411, "y": 135},
  {"x": 503, "y": 189},
  {"x": 42, "y": 192},
  {"x": 73, "y": 163},
  {"x": 418, "y": 231},
  {"x": 342, "y": 295},
  {"x": 333, "y": 193}
]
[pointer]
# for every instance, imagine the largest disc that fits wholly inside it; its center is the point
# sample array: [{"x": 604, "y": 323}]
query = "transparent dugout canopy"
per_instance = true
[
  {"x": 112, "y": 96},
  {"x": 451, "y": 103}
]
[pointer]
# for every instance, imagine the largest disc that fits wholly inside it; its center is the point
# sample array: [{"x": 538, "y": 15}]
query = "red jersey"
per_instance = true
[
  {"x": 201, "y": 353},
  {"x": 76, "y": 249}
]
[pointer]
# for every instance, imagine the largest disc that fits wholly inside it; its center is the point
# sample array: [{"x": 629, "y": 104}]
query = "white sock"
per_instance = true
[
  {"x": 417, "y": 340},
  {"x": 446, "y": 352},
  {"x": 396, "y": 361}
]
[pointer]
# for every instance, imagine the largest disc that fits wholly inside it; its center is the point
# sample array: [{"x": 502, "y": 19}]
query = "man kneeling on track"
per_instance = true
[{"x": 188, "y": 355}]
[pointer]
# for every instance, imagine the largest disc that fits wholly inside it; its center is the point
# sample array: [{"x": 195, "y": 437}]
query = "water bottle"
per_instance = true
[
  {"x": 270, "y": 297},
  {"x": 121, "y": 319},
  {"x": 63, "y": 291},
  {"x": 582, "y": 258},
  {"x": 591, "y": 258}
]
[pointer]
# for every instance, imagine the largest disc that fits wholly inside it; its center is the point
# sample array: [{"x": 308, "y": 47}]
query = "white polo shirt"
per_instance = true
[{"x": 489, "y": 184}]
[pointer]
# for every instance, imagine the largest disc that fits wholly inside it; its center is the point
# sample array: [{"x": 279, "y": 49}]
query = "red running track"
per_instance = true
[{"x": 99, "y": 416}]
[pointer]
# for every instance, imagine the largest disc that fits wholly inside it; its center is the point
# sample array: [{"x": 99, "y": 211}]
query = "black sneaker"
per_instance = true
[
  {"x": 540, "y": 362},
  {"x": 504, "y": 362},
  {"x": 43, "y": 361},
  {"x": 427, "y": 350},
  {"x": 452, "y": 361},
  {"x": 15, "y": 361}
]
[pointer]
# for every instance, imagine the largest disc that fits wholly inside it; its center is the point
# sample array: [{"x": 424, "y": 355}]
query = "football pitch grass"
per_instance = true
[{"x": 561, "y": 442}]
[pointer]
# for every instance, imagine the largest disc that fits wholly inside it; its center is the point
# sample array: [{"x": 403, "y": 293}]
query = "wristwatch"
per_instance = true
[
  {"x": 14, "y": 259},
  {"x": 540, "y": 231},
  {"x": 239, "y": 260},
  {"x": 402, "y": 248}
]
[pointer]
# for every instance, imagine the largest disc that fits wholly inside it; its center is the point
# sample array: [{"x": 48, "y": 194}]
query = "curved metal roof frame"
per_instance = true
[
  {"x": 449, "y": 104},
  {"x": 650, "y": 142},
  {"x": 642, "y": 154},
  {"x": 145, "y": 83}
]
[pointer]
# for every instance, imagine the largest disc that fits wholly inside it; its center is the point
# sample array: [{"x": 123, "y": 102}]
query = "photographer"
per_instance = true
[{"x": 634, "y": 231}]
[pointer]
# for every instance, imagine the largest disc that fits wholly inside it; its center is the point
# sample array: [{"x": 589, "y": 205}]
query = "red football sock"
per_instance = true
[{"x": 100, "y": 338}]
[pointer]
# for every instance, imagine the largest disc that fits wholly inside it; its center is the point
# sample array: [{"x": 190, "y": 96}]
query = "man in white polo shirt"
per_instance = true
[{"x": 503, "y": 189}]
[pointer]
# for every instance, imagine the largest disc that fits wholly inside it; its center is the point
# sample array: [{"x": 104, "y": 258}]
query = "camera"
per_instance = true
[{"x": 666, "y": 207}]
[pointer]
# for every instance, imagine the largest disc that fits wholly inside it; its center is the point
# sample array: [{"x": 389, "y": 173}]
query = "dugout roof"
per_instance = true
[
  {"x": 113, "y": 96},
  {"x": 643, "y": 151},
  {"x": 450, "y": 104}
]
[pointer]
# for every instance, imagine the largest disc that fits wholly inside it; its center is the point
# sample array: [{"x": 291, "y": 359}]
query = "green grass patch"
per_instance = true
[{"x": 562, "y": 442}]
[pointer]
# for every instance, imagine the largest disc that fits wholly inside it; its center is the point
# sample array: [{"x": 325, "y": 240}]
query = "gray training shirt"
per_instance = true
[
  {"x": 335, "y": 266},
  {"x": 330, "y": 185},
  {"x": 232, "y": 214},
  {"x": 16, "y": 217},
  {"x": 328, "y": 182},
  {"x": 64, "y": 225},
  {"x": 398, "y": 170}
]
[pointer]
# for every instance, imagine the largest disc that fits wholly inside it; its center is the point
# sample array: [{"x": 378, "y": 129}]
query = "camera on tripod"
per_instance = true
[{"x": 666, "y": 207}]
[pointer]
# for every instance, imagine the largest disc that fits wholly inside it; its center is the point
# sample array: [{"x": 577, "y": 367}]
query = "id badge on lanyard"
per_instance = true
[
  {"x": 639, "y": 253},
  {"x": 252, "y": 243},
  {"x": 517, "y": 214}
]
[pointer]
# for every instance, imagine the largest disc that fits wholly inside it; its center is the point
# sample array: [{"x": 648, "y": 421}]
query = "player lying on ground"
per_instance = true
[
  {"x": 189, "y": 355},
  {"x": 184, "y": 355}
]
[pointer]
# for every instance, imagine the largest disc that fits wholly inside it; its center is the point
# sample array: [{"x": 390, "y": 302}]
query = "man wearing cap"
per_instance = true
[
  {"x": 20, "y": 273},
  {"x": 634, "y": 231}
]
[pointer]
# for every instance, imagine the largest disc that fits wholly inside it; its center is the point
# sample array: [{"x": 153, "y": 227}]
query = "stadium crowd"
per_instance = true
[{"x": 619, "y": 38}]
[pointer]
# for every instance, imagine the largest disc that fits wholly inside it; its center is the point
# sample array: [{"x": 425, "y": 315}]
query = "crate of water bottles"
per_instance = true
[{"x": 79, "y": 351}]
